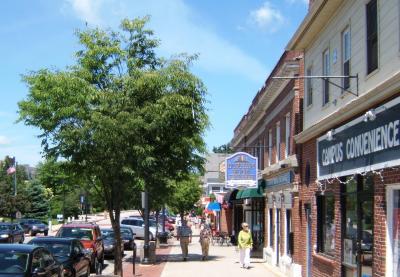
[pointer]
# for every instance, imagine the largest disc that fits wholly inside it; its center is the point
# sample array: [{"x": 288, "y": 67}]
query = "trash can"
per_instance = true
[{"x": 163, "y": 237}]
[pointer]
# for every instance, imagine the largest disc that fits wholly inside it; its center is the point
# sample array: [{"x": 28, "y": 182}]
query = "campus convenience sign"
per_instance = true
[
  {"x": 362, "y": 145},
  {"x": 241, "y": 170}
]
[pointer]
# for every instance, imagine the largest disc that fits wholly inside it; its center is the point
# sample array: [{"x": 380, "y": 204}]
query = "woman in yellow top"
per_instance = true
[{"x": 245, "y": 243}]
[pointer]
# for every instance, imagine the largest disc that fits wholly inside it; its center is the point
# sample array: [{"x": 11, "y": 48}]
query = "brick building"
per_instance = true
[
  {"x": 349, "y": 197},
  {"x": 266, "y": 132}
]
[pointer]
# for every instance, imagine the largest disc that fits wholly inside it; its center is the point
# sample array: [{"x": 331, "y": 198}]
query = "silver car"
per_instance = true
[{"x": 137, "y": 226}]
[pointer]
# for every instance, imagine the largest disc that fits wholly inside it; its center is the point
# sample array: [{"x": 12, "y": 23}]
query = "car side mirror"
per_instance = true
[{"x": 39, "y": 271}]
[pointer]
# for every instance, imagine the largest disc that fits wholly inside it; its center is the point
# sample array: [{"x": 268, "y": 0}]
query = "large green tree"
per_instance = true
[
  {"x": 186, "y": 194},
  {"x": 121, "y": 116}
]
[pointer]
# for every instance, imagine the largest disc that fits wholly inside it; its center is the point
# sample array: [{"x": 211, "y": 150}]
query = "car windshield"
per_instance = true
[
  {"x": 107, "y": 234},
  {"x": 57, "y": 249},
  {"x": 34, "y": 221},
  {"x": 152, "y": 223},
  {"x": 126, "y": 232},
  {"x": 5, "y": 227},
  {"x": 13, "y": 262},
  {"x": 76, "y": 232}
]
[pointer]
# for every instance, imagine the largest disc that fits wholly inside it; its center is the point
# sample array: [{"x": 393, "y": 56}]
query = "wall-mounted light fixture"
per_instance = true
[
  {"x": 369, "y": 116},
  {"x": 329, "y": 135}
]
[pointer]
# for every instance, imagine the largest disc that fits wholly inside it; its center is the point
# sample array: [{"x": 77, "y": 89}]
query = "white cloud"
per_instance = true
[
  {"x": 87, "y": 10},
  {"x": 4, "y": 140},
  {"x": 267, "y": 17},
  {"x": 181, "y": 31}
]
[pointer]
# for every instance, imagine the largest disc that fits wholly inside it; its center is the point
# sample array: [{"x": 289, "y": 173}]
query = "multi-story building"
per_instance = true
[
  {"x": 266, "y": 132},
  {"x": 213, "y": 181},
  {"x": 350, "y": 192}
]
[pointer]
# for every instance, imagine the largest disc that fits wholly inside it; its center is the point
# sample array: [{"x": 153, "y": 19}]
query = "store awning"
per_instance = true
[
  {"x": 250, "y": 193},
  {"x": 230, "y": 196},
  {"x": 213, "y": 206},
  {"x": 239, "y": 195}
]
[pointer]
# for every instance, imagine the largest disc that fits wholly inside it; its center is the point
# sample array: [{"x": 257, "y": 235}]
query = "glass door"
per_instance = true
[{"x": 358, "y": 227}]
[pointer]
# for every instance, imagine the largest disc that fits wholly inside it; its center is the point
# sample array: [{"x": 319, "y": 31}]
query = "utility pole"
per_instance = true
[{"x": 146, "y": 246}]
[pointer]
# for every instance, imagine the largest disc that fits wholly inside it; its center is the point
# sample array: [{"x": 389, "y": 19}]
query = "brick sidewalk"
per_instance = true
[{"x": 153, "y": 270}]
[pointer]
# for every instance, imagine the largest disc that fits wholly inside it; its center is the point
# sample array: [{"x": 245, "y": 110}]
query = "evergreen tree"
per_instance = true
[{"x": 39, "y": 202}]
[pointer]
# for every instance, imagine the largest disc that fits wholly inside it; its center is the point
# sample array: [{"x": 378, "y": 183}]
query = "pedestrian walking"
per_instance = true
[
  {"x": 184, "y": 235},
  {"x": 205, "y": 236},
  {"x": 245, "y": 244}
]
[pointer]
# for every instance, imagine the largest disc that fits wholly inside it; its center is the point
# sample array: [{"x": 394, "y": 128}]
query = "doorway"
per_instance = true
[{"x": 358, "y": 225}]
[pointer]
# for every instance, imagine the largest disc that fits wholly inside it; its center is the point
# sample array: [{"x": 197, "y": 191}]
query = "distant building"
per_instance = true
[
  {"x": 213, "y": 179},
  {"x": 30, "y": 171}
]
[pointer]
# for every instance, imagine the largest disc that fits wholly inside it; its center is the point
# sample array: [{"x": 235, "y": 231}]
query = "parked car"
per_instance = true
[
  {"x": 90, "y": 236},
  {"x": 25, "y": 260},
  {"x": 109, "y": 242},
  {"x": 34, "y": 226},
  {"x": 11, "y": 233},
  {"x": 69, "y": 252},
  {"x": 128, "y": 236},
  {"x": 137, "y": 226}
]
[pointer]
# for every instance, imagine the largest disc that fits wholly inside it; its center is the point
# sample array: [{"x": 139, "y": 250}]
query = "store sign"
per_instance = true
[
  {"x": 241, "y": 170},
  {"x": 282, "y": 179},
  {"x": 364, "y": 144}
]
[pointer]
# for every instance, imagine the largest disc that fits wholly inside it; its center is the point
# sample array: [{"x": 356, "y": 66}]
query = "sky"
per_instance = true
[{"x": 238, "y": 41}]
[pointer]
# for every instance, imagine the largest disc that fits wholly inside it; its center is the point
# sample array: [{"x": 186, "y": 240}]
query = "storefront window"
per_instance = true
[
  {"x": 394, "y": 229},
  {"x": 358, "y": 226},
  {"x": 289, "y": 239},
  {"x": 326, "y": 224}
]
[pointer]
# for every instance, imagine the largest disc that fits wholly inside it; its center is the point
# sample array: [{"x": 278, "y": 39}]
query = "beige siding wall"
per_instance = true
[{"x": 352, "y": 14}]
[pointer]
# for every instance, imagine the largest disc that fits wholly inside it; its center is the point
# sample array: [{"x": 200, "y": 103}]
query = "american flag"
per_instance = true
[{"x": 11, "y": 170}]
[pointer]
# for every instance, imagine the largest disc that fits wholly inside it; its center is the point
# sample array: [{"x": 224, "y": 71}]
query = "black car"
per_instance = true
[
  {"x": 23, "y": 260},
  {"x": 128, "y": 237},
  {"x": 34, "y": 226},
  {"x": 109, "y": 242},
  {"x": 11, "y": 233},
  {"x": 69, "y": 252}
]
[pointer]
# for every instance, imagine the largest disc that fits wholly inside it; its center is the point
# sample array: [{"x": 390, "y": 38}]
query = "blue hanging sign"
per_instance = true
[{"x": 241, "y": 170}]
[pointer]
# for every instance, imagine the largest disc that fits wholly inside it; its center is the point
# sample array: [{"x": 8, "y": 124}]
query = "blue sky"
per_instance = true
[{"x": 239, "y": 42}]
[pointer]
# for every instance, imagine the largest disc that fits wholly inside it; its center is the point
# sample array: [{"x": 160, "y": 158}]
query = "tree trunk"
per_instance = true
[{"x": 115, "y": 212}]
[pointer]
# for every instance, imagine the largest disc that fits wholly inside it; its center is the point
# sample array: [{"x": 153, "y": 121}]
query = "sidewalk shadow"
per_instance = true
[{"x": 177, "y": 258}]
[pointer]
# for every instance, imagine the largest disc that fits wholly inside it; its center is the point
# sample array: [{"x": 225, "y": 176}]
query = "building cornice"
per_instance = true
[
  {"x": 269, "y": 94},
  {"x": 318, "y": 16},
  {"x": 367, "y": 100}
]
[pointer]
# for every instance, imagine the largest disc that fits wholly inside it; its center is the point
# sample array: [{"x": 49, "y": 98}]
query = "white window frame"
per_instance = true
[
  {"x": 309, "y": 82},
  {"x": 278, "y": 141},
  {"x": 346, "y": 52},
  {"x": 287, "y": 134},
  {"x": 326, "y": 59},
  {"x": 389, "y": 228},
  {"x": 269, "y": 147}
]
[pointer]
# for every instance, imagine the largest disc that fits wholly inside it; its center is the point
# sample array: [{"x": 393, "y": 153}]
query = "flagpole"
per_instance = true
[{"x": 15, "y": 177}]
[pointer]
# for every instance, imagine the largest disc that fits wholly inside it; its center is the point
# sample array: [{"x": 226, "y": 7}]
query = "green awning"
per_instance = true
[
  {"x": 250, "y": 193},
  {"x": 262, "y": 184},
  {"x": 239, "y": 194}
]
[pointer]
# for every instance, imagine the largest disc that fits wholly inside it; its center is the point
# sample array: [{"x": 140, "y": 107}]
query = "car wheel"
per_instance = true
[
  {"x": 32, "y": 233},
  {"x": 46, "y": 233}
]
